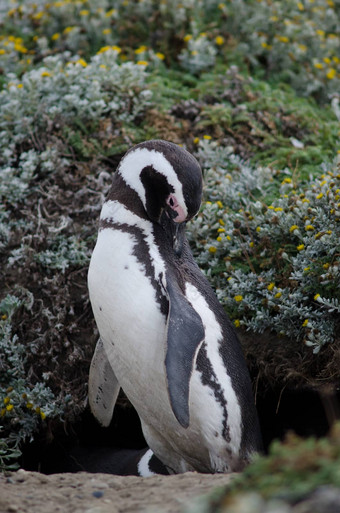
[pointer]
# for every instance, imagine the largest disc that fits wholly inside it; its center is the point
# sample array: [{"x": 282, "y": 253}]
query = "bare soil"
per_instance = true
[{"x": 32, "y": 492}]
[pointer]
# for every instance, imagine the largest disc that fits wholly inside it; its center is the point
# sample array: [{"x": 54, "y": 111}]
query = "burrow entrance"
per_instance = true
[{"x": 85, "y": 446}]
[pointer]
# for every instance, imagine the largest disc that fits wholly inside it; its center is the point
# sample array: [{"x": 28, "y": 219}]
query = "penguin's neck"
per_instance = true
[{"x": 128, "y": 197}]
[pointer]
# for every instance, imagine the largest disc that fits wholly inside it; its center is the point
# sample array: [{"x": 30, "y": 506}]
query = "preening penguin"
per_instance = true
[{"x": 164, "y": 337}]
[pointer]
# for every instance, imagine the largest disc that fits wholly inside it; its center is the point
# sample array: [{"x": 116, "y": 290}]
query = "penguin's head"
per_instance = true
[{"x": 167, "y": 179}]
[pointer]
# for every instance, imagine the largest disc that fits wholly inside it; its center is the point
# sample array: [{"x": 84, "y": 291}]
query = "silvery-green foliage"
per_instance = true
[
  {"x": 299, "y": 40},
  {"x": 62, "y": 91},
  {"x": 199, "y": 55},
  {"x": 63, "y": 253},
  {"x": 22, "y": 406},
  {"x": 65, "y": 87},
  {"x": 275, "y": 266}
]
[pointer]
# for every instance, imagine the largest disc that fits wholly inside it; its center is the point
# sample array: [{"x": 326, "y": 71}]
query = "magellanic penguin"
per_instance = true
[{"x": 164, "y": 337}]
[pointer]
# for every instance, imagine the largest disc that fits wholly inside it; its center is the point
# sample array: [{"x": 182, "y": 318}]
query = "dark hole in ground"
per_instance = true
[{"x": 87, "y": 446}]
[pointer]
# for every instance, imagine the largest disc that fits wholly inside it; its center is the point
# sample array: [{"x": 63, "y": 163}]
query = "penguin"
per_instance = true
[
  {"x": 164, "y": 337},
  {"x": 110, "y": 460}
]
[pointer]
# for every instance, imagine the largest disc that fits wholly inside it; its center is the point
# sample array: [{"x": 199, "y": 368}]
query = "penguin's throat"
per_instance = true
[{"x": 175, "y": 232}]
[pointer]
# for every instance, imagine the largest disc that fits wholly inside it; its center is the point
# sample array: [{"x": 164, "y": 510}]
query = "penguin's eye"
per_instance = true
[{"x": 171, "y": 202}]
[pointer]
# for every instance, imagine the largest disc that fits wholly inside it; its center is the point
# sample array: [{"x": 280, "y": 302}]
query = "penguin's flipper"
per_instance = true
[
  {"x": 185, "y": 333},
  {"x": 103, "y": 386}
]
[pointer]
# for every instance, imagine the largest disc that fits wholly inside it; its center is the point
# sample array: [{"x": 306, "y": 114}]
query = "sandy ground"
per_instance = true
[{"x": 31, "y": 492}]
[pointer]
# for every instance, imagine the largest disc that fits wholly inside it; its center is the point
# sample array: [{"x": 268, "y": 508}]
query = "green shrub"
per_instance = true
[
  {"x": 23, "y": 406},
  {"x": 275, "y": 264}
]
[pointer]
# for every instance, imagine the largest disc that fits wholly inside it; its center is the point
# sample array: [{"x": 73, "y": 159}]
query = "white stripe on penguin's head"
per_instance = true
[{"x": 131, "y": 167}]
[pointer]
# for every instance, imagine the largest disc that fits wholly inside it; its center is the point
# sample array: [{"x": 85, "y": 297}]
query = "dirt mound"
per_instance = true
[{"x": 23, "y": 491}]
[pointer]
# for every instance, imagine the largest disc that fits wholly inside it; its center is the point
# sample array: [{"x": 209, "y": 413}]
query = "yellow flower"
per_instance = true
[
  {"x": 309, "y": 228},
  {"x": 9, "y": 407},
  {"x": 187, "y": 38},
  {"x": 110, "y": 13},
  {"x": 278, "y": 209},
  {"x": 271, "y": 286},
  {"x": 300, "y": 247},
  {"x": 305, "y": 322},
  {"x": 7, "y": 400},
  {"x": 141, "y": 49},
  {"x": 212, "y": 249},
  {"x": 29, "y": 405},
  {"x": 38, "y": 15},
  {"x": 301, "y": 7},
  {"x": 42, "y": 415},
  {"x": 319, "y": 196},
  {"x": 106, "y": 31},
  {"x": 316, "y": 297},
  {"x": 219, "y": 239},
  {"x": 207, "y": 137},
  {"x": 326, "y": 266},
  {"x": 103, "y": 49},
  {"x": 20, "y": 86},
  {"x": 278, "y": 295},
  {"x": 219, "y": 40},
  {"x": 82, "y": 62},
  {"x": 55, "y": 36},
  {"x": 228, "y": 237},
  {"x": 258, "y": 228},
  {"x": 160, "y": 56},
  {"x": 219, "y": 204},
  {"x": 293, "y": 228},
  {"x": 222, "y": 223},
  {"x": 142, "y": 63},
  {"x": 238, "y": 298},
  {"x": 251, "y": 244},
  {"x": 320, "y": 33},
  {"x": 283, "y": 39},
  {"x": 221, "y": 230},
  {"x": 237, "y": 323},
  {"x": 318, "y": 65},
  {"x": 302, "y": 48},
  {"x": 196, "y": 140},
  {"x": 2, "y": 51},
  {"x": 46, "y": 74},
  {"x": 84, "y": 12},
  {"x": 67, "y": 30},
  {"x": 331, "y": 73}
]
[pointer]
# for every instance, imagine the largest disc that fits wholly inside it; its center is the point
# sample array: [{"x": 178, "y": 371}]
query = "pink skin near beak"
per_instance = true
[{"x": 174, "y": 205}]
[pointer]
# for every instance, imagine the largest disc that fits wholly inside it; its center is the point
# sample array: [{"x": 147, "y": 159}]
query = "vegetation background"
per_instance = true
[{"x": 252, "y": 89}]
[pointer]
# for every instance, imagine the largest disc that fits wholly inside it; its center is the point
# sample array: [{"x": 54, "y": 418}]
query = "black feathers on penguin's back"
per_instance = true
[{"x": 185, "y": 269}]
